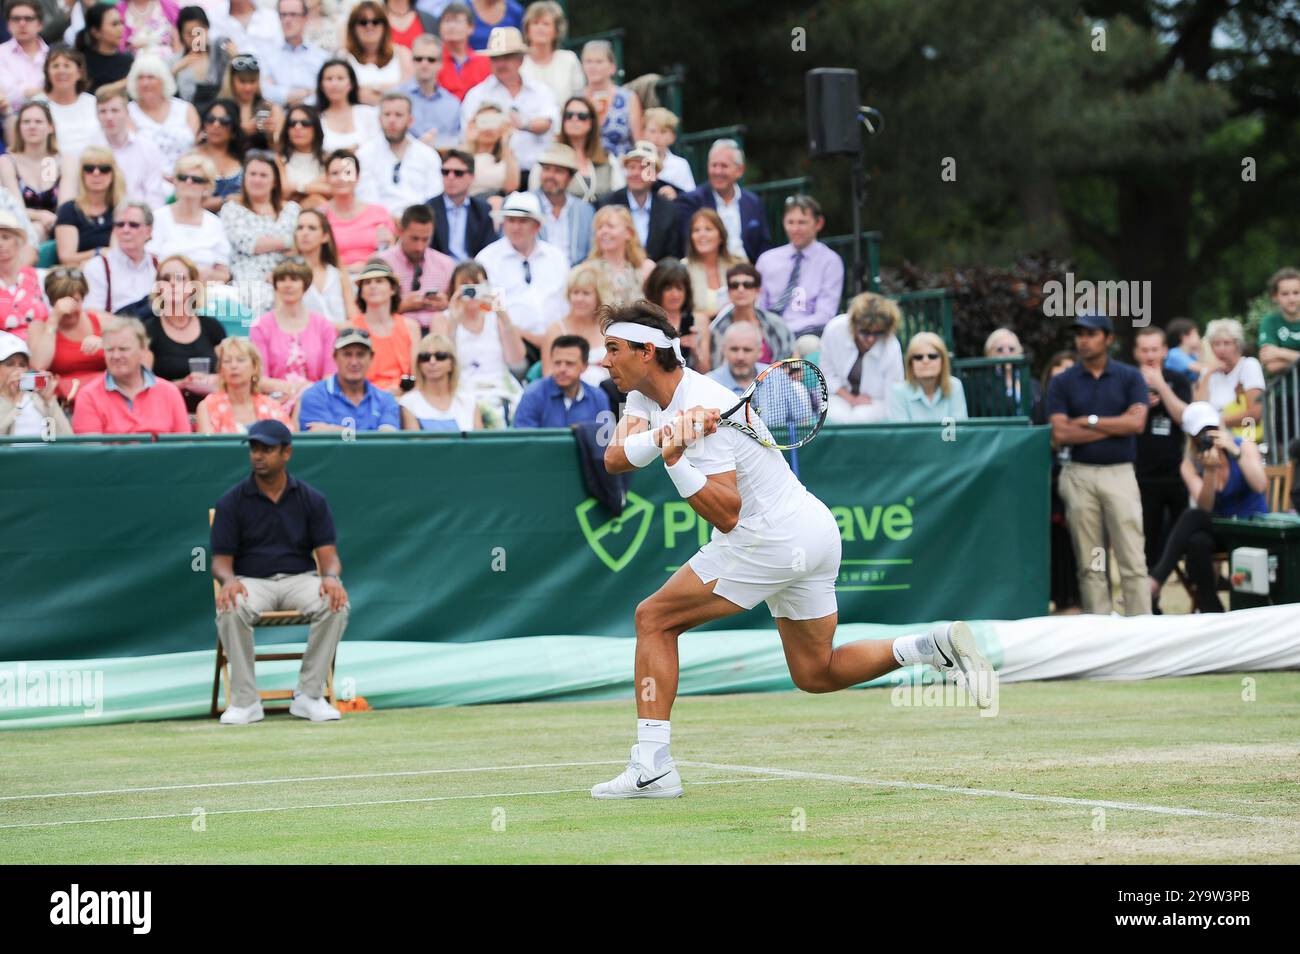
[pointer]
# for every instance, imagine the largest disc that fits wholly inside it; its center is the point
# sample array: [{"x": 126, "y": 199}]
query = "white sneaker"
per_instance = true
[
  {"x": 955, "y": 646},
  {"x": 242, "y": 715},
  {"x": 633, "y": 783},
  {"x": 314, "y": 708}
]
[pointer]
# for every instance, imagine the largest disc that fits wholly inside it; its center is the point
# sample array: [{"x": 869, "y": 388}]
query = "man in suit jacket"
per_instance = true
[
  {"x": 567, "y": 218},
  {"x": 741, "y": 212},
  {"x": 462, "y": 224},
  {"x": 654, "y": 214}
]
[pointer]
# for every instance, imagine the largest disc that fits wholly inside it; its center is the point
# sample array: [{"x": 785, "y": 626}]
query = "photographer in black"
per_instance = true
[{"x": 1225, "y": 478}]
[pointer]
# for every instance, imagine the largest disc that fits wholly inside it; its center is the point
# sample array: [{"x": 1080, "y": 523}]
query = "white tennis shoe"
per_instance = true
[
  {"x": 314, "y": 708},
  {"x": 242, "y": 715},
  {"x": 635, "y": 782},
  {"x": 955, "y": 649}
]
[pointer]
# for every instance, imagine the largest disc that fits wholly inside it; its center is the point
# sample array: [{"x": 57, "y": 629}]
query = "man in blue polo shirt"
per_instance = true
[
  {"x": 1097, "y": 408},
  {"x": 563, "y": 399},
  {"x": 347, "y": 400},
  {"x": 265, "y": 532}
]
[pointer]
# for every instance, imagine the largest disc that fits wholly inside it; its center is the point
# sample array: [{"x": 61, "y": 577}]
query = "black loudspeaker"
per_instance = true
[{"x": 833, "y": 128}]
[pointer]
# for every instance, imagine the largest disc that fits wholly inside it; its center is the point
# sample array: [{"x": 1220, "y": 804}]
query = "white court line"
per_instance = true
[
  {"x": 307, "y": 778},
  {"x": 391, "y": 801},
  {"x": 989, "y": 793}
]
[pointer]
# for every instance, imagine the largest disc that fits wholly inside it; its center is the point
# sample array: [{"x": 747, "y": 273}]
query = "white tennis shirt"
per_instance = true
[{"x": 768, "y": 488}]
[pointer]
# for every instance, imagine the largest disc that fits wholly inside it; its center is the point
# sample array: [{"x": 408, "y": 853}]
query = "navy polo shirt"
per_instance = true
[
  {"x": 1076, "y": 393},
  {"x": 267, "y": 538}
]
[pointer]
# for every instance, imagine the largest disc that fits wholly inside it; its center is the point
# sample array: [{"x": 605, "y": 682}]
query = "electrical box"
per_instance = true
[{"x": 1250, "y": 570}]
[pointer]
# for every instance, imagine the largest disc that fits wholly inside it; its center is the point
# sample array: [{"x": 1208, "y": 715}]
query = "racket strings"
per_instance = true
[{"x": 789, "y": 402}]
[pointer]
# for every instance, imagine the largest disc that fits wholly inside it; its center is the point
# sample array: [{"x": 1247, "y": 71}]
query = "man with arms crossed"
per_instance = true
[{"x": 772, "y": 540}]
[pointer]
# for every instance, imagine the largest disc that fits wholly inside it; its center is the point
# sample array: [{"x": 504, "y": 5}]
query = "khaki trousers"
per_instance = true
[
  {"x": 1102, "y": 502},
  {"x": 291, "y": 591}
]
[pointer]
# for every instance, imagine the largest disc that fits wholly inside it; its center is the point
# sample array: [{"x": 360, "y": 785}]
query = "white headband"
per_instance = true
[{"x": 644, "y": 334}]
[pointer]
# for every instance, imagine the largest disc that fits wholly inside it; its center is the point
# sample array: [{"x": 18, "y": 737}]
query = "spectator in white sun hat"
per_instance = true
[{"x": 528, "y": 272}]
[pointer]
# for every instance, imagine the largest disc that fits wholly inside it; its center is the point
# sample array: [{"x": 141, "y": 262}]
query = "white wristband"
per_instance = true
[
  {"x": 688, "y": 479},
  {"x": 641, "y": 448}
]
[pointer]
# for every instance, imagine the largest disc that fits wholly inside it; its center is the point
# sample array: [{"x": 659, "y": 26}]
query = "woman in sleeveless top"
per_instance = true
[
  {"x": 597, "y": 176},
  {"x": 380, "y": 65},
  {"x": 67, "y": 342},
  {"x": 331, "y": 293},
  {"x": 76, "y": 121},
  {"x": 345, "y": 122},
  {"x": 438, "y": 402},
  {"x": 26, "y": 170},
  {"x": 304, "y": 162},
  {"x": 296, "y": 344},
  {"x": 490, "y": 349},
  {"x": 201, "y": 63},
  {"x": 393, "y": 336},
  {"x": 582, "y": 289},
  {"x": 260, "y": 120},
  {"x": 617, "y": 107},
  {"x": 617, "y": 252},
  {"x": 237, "y": 402},
  {"x": 1225, "y": 479}
]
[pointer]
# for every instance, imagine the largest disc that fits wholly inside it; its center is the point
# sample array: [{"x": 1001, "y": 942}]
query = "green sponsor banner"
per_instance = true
[{"x": 492, "y": 536}]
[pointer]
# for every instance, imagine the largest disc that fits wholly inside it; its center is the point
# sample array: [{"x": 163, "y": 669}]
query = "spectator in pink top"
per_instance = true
[
  {"x": 147, "y": 27},
  {"x": 423, "y": 273},
  {"x": 129, "y": 398},
  {"x": 296, "y": 345},
  {"x": 359, "y": 230}
]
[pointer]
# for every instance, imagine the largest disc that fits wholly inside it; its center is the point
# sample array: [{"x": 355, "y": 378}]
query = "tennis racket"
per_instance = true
[{"x": 784, "y": 407}]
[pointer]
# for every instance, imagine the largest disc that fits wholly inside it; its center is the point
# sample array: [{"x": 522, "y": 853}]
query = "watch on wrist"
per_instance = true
[
  {"x": 329, "y": 576},
  {"x": 1092, "y": 420}
]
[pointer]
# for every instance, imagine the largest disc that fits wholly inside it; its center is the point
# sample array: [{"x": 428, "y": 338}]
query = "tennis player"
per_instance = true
[{"x": 772, "y": 541}]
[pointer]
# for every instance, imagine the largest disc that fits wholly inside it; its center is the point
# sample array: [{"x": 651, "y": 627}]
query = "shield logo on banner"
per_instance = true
[{"x": 623, "y": 529}]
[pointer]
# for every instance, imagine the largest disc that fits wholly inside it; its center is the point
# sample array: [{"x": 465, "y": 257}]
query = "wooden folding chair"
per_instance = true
[
  {"x": 281, "y": 697},
  {"x": 1279, "y": 486}
]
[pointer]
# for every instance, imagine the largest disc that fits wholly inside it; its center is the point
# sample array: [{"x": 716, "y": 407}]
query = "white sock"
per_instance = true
[
  {"x": 910, "y": 650},
  {"x": 652, "y": 737}
]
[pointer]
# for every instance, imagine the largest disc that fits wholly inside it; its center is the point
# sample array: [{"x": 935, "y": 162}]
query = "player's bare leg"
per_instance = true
[
  {"x": 817, "y": 666},
  {"x": 679, "y": 605}
]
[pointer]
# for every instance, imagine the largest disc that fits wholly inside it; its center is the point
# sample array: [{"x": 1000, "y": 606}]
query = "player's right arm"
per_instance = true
[{"x": 616, "y": 461}]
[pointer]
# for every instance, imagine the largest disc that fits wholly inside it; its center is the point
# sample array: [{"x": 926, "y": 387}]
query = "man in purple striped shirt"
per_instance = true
[{"x": 803, "y": 280}]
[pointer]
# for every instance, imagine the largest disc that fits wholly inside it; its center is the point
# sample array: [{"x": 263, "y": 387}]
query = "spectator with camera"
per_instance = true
[
  {"x": 1225, "y": 477},
  {"x": 423, "y": 273},
  {"x": 27, "y": 398}
]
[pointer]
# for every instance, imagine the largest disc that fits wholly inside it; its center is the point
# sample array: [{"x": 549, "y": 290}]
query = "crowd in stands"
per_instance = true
[{"x": 418, "y": 209}]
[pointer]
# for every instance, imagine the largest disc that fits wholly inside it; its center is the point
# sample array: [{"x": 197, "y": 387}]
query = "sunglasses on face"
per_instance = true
[
  {"x": 370, "y": 23},
  {"x": 427, "y": 59},
  {"x": 736, "y": 286},
  {"x": 22, "y": 18},
  {"x": 191, "y": 177},
  {"x": 455, "y": 173},
  {"x": 102, "y": 169},
  {"x": 582, "y": 116},
  {"x": 927, "y": 356},
  {"x": 300, "y": 124},
  {"x": 219, "y": 120},
  {"x": 128, "y": 225},
  {"x": 433, "y": 356}
]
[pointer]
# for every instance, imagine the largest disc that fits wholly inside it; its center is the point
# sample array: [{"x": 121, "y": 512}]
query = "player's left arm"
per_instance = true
[{"x": 718, "y": 501}]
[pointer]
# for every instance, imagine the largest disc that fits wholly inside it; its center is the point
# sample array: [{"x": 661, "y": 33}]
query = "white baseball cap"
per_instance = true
[
  {"x": 10, "y": 345},
  {"x": 1198, "y": 416}
]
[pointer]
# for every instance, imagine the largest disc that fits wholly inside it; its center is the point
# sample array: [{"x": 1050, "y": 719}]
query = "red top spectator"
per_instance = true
[
  {"x": 67, "y": 341},
  {"x": 462, "y": 68},
  {"x": 129, "y": 398}
]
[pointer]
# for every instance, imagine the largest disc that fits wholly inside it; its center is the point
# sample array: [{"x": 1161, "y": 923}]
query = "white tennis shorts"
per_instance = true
[{"x": 792, "y": 563}]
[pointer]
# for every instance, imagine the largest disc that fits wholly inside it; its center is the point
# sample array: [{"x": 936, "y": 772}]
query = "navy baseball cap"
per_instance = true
[
  {"x": 1100, "y": 322},
  {"x": 270, "y": 433}
]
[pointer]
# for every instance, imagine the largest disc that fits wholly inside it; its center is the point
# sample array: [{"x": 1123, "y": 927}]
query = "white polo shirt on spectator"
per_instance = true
[
  {"x": 113, "y": 272},
  {"x": 534, "y": 101},
  {"x": 385, "y": 181},
  {"x": 534, "y": 295}
]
